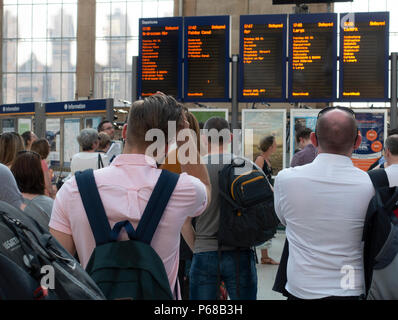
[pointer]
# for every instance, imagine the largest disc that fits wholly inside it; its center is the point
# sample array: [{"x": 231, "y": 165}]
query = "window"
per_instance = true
[
  {"x": 39, "y": 50},
  {"x": 117, "y": 43}
]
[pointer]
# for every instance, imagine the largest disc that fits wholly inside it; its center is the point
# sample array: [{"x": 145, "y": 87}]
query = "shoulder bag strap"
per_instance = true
[
  {"x": 100, "y": 163},
  {"x": 93, "y": 206},
  {"x": 156, "y": 205},
  {"x": 379, "y": 178}
]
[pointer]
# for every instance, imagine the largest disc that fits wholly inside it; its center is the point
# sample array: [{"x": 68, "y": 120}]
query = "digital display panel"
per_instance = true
[
  {"x": 160, "y": 56},
  {"x": 263, "y": 58},
  {"x": 312, "y": 57},
  {"x": 206, "y": 58},
  {"x": 364, "y": 56},
  {"x": 306, "y": 1}
]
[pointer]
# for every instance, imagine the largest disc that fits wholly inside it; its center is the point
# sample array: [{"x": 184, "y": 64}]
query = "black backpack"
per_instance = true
[
  {"x": 380, "y": 236},
  {"x": 247, "y": 214},
  {"x": 127, "y": 269},
  {"x": 35, "y": 266}
]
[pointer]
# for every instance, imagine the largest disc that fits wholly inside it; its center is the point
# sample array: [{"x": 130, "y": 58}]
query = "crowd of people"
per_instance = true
[{"x": 321, "y": 199}]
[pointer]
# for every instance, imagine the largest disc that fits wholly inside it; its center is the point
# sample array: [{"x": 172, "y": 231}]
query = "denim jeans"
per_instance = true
[{"x": 204, "y": 271}]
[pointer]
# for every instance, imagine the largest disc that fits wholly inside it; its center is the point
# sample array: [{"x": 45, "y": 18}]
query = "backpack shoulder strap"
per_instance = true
[
  {"x": 93, "y": 206},
  {"x": 379, "y": 178},
  {"x": 100, "y": 164},
  {"x": 156, "y": 205}
]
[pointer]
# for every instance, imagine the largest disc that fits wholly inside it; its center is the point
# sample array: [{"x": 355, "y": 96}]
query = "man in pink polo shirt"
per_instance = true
[{"x": 126, "y": 185}]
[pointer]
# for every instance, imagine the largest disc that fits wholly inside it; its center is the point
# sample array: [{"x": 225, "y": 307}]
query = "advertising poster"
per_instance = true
[
  {"x": 301, "y": 118},
  {"x": 8, "y": 125},
  {"x": 372, "y": 124},
  {"x": 24, "y": 125},
  {"x": 202, "y": 115},
  {"x": 92, "y": 122},
  {"x": 71, "y": 146},
  {"x": 53, "y": 136},
  {"x": 257, "y": 124}
]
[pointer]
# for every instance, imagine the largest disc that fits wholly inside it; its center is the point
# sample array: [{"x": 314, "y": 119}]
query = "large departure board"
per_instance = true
[
  {"x": 312, "y": 57},
  {"x": 160, "y": 56},
  {"x": 262, "y": 73},
  {"x": 364, "y": 56},
  {"x": 206, "y": 58}
]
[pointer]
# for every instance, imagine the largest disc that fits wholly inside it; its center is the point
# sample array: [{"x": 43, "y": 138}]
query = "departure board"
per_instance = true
[
  {"x": 262, "y": 73},
  {"x": 160, "y": 56},
  {"x": 312, "y": 57},
  {"x": 206, "y": 58},
  {"x": 364, "y": 56}
]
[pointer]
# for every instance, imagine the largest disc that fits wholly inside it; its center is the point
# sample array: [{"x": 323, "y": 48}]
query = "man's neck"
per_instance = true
[
  {"x": 392, "y": 160},
  {"x": 216, "y": 149},
  {"x": 306, "y": 143}
]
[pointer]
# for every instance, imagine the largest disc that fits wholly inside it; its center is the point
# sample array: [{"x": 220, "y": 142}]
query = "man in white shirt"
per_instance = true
[
  {"x": 323, "y": 206},
  {"x": 391, "y": 156}
]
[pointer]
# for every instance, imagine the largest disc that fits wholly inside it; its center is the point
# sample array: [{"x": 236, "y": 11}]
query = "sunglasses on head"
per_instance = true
[{"x": 348, "y": 110}]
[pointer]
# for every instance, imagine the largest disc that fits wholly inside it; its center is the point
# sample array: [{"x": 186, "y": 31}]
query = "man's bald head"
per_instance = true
[{"x": 336, "y": 132}]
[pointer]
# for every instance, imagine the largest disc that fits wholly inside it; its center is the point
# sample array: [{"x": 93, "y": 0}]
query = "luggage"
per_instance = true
[
  {"x": 35, "y": 266},
  {"x": 127, "y": 269},
  {"x": 380, "y": 236}
]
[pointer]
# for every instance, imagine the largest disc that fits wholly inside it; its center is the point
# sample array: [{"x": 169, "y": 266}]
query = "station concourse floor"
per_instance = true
[{"x": 266, "y": 273}]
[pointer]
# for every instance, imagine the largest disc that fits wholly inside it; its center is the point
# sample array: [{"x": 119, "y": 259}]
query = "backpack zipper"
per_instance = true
[
  {"x": 233, "y": 182},
  {"x": 249, "y": 181}
]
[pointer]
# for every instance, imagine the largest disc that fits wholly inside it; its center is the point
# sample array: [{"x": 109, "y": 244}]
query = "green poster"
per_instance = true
[{"x": 202, "y": 115}]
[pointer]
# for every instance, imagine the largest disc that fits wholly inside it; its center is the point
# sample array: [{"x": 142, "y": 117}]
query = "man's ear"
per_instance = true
[
  {"x": 124, "y": 131},
  {"x": 387, "y": 153},
  {"x": 314, "y": 139},
  {"x": 358, "y": 141}
]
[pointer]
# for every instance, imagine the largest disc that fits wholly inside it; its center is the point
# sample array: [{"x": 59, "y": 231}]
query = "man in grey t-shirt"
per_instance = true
[{"x": 204, "y": 280}]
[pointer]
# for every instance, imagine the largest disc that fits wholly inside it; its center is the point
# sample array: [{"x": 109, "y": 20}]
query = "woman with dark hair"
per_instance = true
[
  {"x": 29, "y": 176},
  {"x": 28, "y": 137},
  {"x": 42, "y": 147},
  {"x": 10, "y": 144},
  {"x": 267, "y": 147}
]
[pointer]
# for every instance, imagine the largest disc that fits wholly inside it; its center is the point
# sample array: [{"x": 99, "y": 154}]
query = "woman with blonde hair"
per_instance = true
[{"x": 10, "y": 144}]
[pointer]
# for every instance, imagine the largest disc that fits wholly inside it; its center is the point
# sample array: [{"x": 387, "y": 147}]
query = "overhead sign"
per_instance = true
[
  {"x": 160, "y": 56},
  {"x": 312, "y": 57},
  {"x": 263, "y": 58},
  {"x": 206, "y": 58},
  {"x": 81, "y": 106},
  {"x": 17, "y": 109},
  {"x": 364, "y": 56}
]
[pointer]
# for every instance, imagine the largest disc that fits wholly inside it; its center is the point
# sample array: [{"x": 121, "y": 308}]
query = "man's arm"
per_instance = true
[
  {"x": 65, "y": 240},
  {"x": 195, "y": 169},
  {"x": 188, "y": 233}
]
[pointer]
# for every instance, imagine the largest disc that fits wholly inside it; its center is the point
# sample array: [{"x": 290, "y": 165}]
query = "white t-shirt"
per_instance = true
[
  {"x": 392, "y": 174},
  {"x": 87, "y": 160},
  {"x": 323, "y": 206}
]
